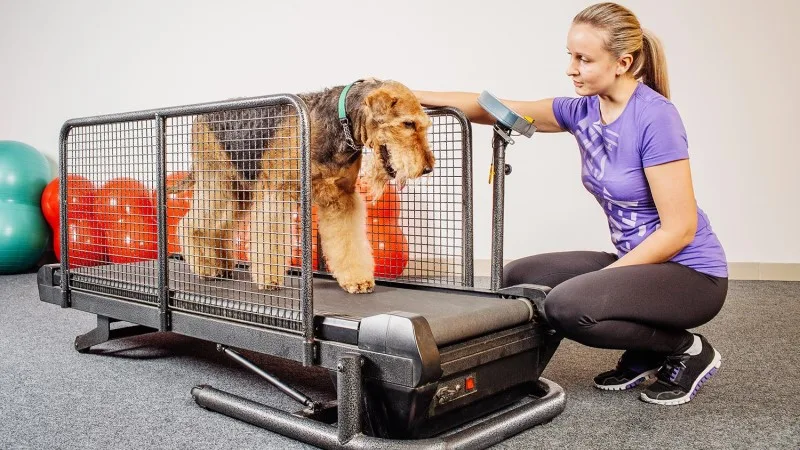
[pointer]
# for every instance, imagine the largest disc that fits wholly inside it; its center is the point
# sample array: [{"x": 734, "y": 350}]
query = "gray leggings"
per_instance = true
[{"x": 646, "y": 307}]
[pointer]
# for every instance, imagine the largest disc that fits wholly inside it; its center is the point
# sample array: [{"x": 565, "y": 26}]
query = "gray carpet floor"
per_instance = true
[{"x": 134, "y": 392}]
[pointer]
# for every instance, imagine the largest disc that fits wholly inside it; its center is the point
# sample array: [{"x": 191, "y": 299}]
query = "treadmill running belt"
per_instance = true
[{"x": 453, "y": 315}]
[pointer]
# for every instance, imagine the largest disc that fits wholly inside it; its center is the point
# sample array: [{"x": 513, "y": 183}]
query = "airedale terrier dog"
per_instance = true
[{"x": 246, "y": 167}]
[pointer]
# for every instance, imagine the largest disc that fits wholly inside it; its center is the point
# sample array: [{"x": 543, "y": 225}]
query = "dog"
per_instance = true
[{"x": 246, "y": 167}]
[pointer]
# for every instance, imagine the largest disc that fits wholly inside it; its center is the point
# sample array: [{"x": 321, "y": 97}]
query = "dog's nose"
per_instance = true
[{"x": 427, "y": 170}]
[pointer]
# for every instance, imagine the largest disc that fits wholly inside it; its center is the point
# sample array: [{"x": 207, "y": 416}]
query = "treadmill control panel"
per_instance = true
[
  {"x": 456, "y": 388},
  {"x": 505, "y": 115}
]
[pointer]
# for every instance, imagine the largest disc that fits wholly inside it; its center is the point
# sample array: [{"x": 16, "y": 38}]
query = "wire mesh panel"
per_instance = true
[
  {"x": 111, "y": 213},
  {"x": 222, "y": 188},
  {"x": 233, "y": 208},
  {"x": 421, "y": 233},
  {"x": 435, "y": 211}
]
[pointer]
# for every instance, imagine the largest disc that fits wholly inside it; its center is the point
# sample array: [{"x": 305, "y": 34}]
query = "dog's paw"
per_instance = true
[
  {"x": 359, "y": 287},
  {"x": 209, "y": 273},
  {"x": 270, "y": 284},
  {"x": 270, "y": 287},
  {"x": 264, "y": 279}
]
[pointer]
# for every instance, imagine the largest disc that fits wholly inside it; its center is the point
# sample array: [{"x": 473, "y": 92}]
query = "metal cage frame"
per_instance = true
[{"x": 164, "y": 317}]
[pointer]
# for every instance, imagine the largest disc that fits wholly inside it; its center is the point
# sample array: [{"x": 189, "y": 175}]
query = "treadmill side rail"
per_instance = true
[{"x": 532, "y": 292}]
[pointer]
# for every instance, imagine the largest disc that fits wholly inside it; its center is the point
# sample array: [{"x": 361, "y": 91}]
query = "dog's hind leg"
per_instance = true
[
  {"x": 342, "y": 227},
  {"x": 206, "y": 232},
  {"x": 270, "y": 237},
  {"x": 274, "y": 200}
]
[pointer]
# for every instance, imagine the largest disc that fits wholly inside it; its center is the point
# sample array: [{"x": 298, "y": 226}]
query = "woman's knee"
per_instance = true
[
  {"x": 566, "y": 310},
  {"x": 548, "y": 269},
  {"x": 519, "y": 271}
]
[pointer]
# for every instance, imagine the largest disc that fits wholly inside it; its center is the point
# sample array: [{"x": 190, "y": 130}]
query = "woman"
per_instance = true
[{"x": 669, "y": 272}]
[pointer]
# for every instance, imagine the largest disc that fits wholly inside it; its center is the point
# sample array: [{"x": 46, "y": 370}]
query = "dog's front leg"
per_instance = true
[
  {"x": 348, "y": 254},
  {"x": 270, "y": 238}
]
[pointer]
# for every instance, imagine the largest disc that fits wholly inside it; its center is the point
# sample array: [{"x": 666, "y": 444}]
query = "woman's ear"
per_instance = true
[{"x": 624, "y": 63}]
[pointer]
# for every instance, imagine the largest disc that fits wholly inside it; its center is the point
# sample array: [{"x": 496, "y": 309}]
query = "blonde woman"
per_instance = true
[{"x": 669, "y": 272}]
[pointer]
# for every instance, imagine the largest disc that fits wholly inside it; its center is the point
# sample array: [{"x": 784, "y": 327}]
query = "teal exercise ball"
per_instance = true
[
  {"x": 23, "y": 237},
  {"x": 24, "y": 234},
  {"x": 24, "y": 172}
]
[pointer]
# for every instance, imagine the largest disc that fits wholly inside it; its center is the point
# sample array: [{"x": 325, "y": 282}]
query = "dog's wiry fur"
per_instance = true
[{"x": 246, "y": 165}]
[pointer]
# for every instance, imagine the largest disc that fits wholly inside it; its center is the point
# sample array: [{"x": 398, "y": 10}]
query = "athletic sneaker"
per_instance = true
[
  {"x": 682, "y": 376},
  {"x": 633, "y": 368}
]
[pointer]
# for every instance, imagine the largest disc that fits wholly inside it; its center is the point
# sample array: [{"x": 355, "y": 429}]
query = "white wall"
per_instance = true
[{"x": 733, "y": 68}]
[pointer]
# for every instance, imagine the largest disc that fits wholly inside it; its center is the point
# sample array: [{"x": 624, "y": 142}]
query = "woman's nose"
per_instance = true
[{"x": 572, "y": 69}]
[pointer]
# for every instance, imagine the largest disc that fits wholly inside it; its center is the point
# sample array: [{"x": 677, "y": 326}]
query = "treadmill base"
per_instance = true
[{"x": 347, "y": 433}]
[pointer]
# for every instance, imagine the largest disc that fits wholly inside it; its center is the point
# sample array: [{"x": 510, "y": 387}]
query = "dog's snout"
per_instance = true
[{"x": 427, "y": 170}]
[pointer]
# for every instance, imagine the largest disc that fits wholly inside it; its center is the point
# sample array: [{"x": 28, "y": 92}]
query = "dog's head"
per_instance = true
[{"x": 395, "y": 128}]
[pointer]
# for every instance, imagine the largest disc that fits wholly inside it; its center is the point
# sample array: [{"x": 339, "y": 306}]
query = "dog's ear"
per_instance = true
[{"x": 380, "y": 103}]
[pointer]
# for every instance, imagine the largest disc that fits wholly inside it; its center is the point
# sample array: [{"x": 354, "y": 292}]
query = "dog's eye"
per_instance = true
[{"x": 411, "y": 125}]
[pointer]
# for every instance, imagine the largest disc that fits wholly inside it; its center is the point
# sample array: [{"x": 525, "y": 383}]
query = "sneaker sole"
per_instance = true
[
  {"x": 710, "y": 370},
  {"x": 644, "y": 376}
]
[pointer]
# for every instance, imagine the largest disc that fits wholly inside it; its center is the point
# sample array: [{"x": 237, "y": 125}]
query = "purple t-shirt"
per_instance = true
[{"x": 647, "y": 133}]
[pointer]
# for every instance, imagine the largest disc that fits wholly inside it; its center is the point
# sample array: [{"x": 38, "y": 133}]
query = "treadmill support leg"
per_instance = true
[
  {"x": 103, "y": 333},
  {"x": 349, "y": 393}
]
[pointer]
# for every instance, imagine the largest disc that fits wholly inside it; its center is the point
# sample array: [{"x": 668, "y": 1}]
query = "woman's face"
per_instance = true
[{"x": 591, "y": 67}]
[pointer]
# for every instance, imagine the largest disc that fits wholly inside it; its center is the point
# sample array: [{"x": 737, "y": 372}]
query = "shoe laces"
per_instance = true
[{"x": 672, "y": 368}]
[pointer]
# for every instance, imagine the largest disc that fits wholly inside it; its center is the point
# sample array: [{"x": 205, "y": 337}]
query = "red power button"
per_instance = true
[{"x": 469, "y": 383}]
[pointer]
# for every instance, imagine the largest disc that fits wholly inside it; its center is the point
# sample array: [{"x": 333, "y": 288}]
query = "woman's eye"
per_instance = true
[{"x": 410, "y": 125}]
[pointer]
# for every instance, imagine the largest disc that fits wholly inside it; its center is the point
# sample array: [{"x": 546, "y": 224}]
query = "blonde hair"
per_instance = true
[{"x": 625, "y": 35}]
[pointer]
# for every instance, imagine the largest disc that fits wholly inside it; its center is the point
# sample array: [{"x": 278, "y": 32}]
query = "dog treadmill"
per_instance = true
[{"x": 425, "y": 361}]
